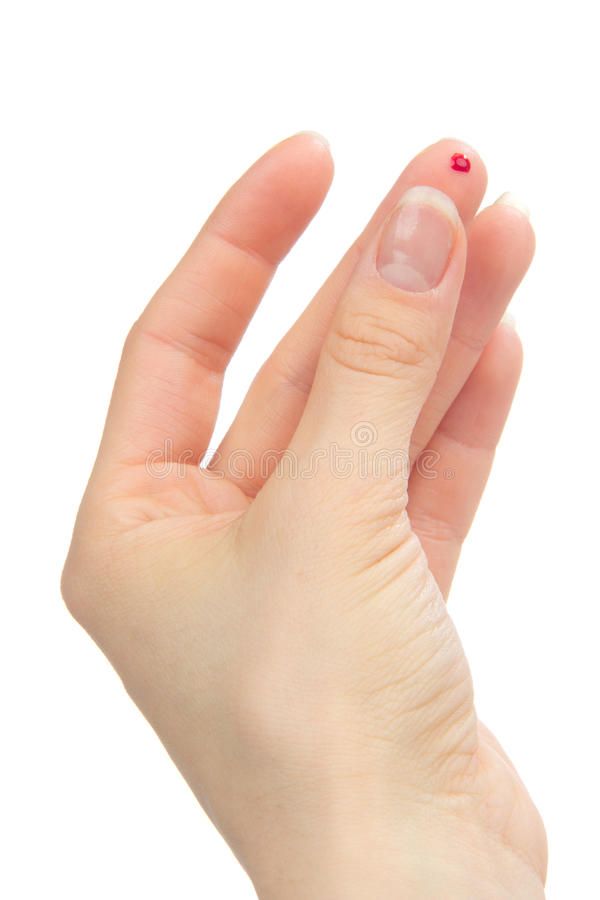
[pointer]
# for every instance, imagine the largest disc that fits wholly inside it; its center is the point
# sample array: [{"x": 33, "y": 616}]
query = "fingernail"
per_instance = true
[
  {"x": 509, "y": 320},
  {"x": 315, "y": 135},
  {"x": 510, "y": 199},
  {"x": 417, "y": 240}
]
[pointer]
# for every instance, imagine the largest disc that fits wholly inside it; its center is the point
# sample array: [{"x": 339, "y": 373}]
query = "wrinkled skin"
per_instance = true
[{"x": 287, "y": 635}]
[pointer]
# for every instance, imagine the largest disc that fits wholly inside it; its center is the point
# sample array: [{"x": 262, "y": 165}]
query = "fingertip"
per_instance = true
[
  {"x": 271, "y": 204},
  {"x": 454, "y": 167},
  {"x": 504, "y": 243},
  {"x": 516, "y": 218},
  {"x": 455, "y": 147},
  {"x": 314, "y": 146},
  {"x": 513, "y": 201},
  {"x": 307, "y": 158},
  {"x": 509, "y": 321},
  {"x": 512, "y": 209},
  {"x": 316, "y": 137}
]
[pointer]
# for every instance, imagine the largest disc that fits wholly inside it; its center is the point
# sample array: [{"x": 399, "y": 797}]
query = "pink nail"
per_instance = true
[{"x": 417, "y": 240}]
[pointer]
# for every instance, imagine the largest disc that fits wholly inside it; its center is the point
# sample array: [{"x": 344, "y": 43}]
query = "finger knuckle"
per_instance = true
[{"x": 379, "y": 341}]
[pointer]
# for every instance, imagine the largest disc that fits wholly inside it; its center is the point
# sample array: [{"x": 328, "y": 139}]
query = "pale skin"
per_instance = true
[{"x": 288, "y": 637}]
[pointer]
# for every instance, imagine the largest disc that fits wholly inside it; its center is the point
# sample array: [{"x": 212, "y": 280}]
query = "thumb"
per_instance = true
[{"x": 389, "y": 334}]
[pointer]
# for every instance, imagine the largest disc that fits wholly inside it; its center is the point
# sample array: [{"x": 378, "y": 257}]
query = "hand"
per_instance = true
[{"x": 279, "y": 616}]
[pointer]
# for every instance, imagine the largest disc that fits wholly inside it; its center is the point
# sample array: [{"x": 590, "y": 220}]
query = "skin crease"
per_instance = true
[{"x": 288, "y": 637}]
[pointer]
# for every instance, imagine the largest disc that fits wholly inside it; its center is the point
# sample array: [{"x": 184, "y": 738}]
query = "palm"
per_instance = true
[{"x": 201, "y": 503}]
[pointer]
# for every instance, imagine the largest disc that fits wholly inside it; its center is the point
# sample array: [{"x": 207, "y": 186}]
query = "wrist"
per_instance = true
[{"x": 414, "y": 864}]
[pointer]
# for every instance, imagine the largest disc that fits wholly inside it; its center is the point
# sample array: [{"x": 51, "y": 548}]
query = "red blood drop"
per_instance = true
[{"x": 459, "y": 162}]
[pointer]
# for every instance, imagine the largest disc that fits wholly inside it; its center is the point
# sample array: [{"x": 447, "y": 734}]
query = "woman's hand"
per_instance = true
[{"x": 279, "y": 617}]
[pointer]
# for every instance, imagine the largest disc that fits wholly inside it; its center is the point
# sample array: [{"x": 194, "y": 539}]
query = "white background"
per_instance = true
[{"x": 121, "y": 125}]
